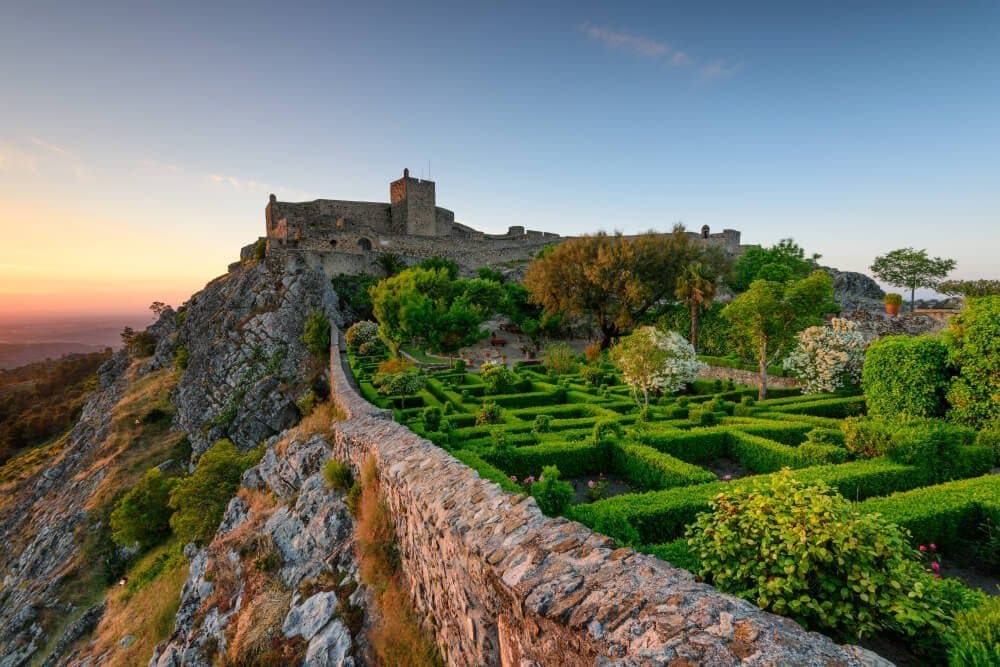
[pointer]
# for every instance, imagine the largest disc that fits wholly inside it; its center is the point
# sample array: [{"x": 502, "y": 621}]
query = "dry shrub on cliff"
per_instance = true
[
  {"x": 317, "y": 422},
  {"x": 396, "y": 636},
  {"x": 256, "y": 633}
]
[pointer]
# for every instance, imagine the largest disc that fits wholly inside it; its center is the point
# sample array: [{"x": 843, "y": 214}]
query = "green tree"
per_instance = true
[
  {"x": 779, "y": 263},
  {"x": 200, "y": 500},
  {"x": 142, "y": 516},
  {"x": 650, "y": 359},
  {"x": 316, "y": 334},
  {"x": 768, "y": 316},
  {"x": 390, "y": 263},
  {"x": 695, "y": 289},
  {"x": 614, "y": 280},
  {"x": 911, "y": 268},
  {"x": 974, "y": 347},
  {"x": 438, "y": 262},
  {"x": 559, "y": 358},
  {"x": 969, "y": 288}
]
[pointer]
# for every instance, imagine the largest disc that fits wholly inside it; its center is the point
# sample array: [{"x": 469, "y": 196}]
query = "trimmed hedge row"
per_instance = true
[
  {"x": 837, "y": 408},
  {"x": 660, "y": 516},
  {"x": 574, "y": 459},
  {"x": 485, "y": 470},
  {"x": 526, "y": 400},
  {"x": 762, "y": 455},
  {"x": 787, "y": 433},
  {"x": 944, "y": 513},
  {"x": 648, "y": 468},
  {"x": 698, "y": 446}
]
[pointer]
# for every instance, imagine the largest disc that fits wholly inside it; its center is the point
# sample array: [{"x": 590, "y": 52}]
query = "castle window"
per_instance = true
[
  {"x": 333, "y": 243},
  {"x": 365, "y": 244}
]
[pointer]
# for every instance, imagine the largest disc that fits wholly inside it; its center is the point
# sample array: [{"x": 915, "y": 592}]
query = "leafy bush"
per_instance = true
[
  {"x": 853, "y": 576},
  {"x": 200, "y": 500},
  {"x": 432, "y": 418},
  {"x": 559, "y": 358},
  {"x": 553, "y": 495},
  {"x": 975, "y": 637},
  {"x": 990, "y": 438},
  {"x": 260, "y": 249},
  {"x": 360, "y": 333},
  {"x": 142, "y": 516},
  {"x": 542, "y": 424},
  {"x": 181, "y": 357},
  {"x": 489, "y": 414},
  {"x": 316, "y": 334},
  {"x": 828, "y": 358},
  {"x": 573, "y": 458},
  {"x": 867, "y": 438},
  {"x": 893, "y": 299},
  {"x": 654, "y": 360},
  {"x": 338, "y": 475},
  {"x": 619, "y": 528},
  {"x": 817, "y": 453},
  {"x": 498, "y": 378},
  {"x": 905, "y": 376},
  {"x": 975, "y": 349},
  {"x": 307, "y": 403}
]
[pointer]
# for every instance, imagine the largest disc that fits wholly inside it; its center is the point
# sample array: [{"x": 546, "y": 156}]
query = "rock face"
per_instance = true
[
  {"x": 38, "y": 519},
  {"x": 247, "y": 362},
  {"x": 855, "y": 291},
  {"x": 311, "y": 568}
]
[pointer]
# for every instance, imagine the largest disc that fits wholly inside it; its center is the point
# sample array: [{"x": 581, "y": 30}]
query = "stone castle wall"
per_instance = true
[{"x": 501, "y": 584}]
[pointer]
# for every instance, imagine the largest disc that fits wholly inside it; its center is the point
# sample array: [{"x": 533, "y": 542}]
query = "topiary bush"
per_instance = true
[
  {"x": 905, "y": 376},
  {"x": 490, "y": 413},
  {"x": 805, "y": 552},
  {"x": 975, "y": 349},
  {"x": 552, "y": 495},
  {"x": 542, "y": 424},
  {"x": 498, "y": 378},
  {"x": 432, "y": 418}
]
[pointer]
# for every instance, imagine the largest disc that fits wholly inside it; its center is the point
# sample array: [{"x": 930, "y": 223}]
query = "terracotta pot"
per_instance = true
[{"x": 892, "y": 309}]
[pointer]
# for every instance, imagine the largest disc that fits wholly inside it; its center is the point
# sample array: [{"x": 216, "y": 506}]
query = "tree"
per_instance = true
[
  {"x": 767, "y": 317},
  {"x": 438, "y": 262},
  {"x": 650, "y": 359},
  {"x": 695, "y": 289},
  {"x": 613, "y": 279},
  {"x": 426, "y": 304},
  {"x": 403, "y": 384},
  {"x": 158, "y": 308},
  {"x": 905, "y": 376},
  {"x": 779, "y": 263},
  {"x": 911, "y": 268},
  {"x": 142, "y": 516},
  {"x": 200, "y": 500},
  {"x": 390, "y": 263},
  {"x": 316, "y": 334},
  {"x": 969, "y": 288},
  {"x": 560, "y": 358},
  {"x": 828, "y": 358}
]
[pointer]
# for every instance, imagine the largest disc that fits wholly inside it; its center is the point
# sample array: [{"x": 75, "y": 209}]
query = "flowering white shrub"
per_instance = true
[
  {"x": 650, "y": 359},
  {"x": 360, "y": 333},
  {"x": 828, "y": 357}
]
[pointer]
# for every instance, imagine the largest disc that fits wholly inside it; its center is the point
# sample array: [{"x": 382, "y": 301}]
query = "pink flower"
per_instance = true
[
  {"x": 727, "y": 478},
  {"x": 513, "y": 478},
  {"x": 935, "y": 567},
  {"x": 591, "y": 484},
  {"x": 937, "y": 576},
  {"x": 933, "y": 547},
  {"x": 923, "y": 548}
]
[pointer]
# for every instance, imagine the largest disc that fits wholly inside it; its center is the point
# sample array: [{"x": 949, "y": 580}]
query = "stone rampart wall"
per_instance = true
[
  {"x": 501, "y": 584},
  {"x": 750, "y": 378}
]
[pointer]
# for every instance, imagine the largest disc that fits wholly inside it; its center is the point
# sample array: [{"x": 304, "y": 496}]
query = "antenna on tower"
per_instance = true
[{"x": 428, "y": 170}]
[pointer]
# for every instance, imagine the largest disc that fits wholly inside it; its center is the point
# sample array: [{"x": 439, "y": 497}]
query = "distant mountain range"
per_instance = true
[{"x": 24, "y": 341}]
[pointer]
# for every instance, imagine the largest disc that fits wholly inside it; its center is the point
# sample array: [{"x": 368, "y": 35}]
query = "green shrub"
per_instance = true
[
  {"x": 677, "y": 553},
  {"x": 542, "y": 424},
  {"x": 559, "y": 358},
  {"x": 316, "y": 334},
  {"x": 142, "y": 516},
  {"x": 432, "y": 418},
  {"x": 338, "y": 475},
  {"x": 181, "y": 357},
  {"x": 854, "y": 575},
  {"x": 763, "y": 455},
  {"x": 498, "y": 378},
  {"x": 552, "y": 495},
  {"x": 575, "y": 459},
  {"x": 817, "y": 453},
  {"x": 867, "y": 438},
  {"x": 607, "y": 428},
  {"x": 974, "y": 344},
  {"x": 990, "y": 438},
  {"x": 490, "y": 413},
  {"x": 905, "y": 376},
  {"x": 696, "y": 446},
  {"x": 619, "y": 528},
  {"x": 837, "y": 408},
  {"x": 975, "y": 636},
  {"x": 307, "y": 403},
  {"x": 260, "y": 249},
  {"x": 200, "y": 500}
]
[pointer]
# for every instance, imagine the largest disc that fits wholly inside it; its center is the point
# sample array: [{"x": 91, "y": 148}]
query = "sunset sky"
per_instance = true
[{"x": 139, "y": 142}]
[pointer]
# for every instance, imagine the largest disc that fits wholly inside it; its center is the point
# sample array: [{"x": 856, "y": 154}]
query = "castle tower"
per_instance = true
[{"x": 413, "y": 206}]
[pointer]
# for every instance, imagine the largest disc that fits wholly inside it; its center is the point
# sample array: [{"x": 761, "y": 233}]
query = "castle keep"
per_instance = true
[{"x": 346, "y": 236}]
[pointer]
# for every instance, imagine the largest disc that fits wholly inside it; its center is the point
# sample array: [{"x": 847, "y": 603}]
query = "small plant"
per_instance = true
[
  {"x": 338, "y": 475},
  {"x": 552, "y": 494},
  {"x": 975, "y": 638},
  {"x": 432, "y": 418},
  {"x": 490, "y": 413},
  {"x": 499, "y": 440},
  {"x": 498, "y": 378},
  {"x": 559, "y": 358},
  {"x": 260, "y": 249},
  {"x": 597, "y": 488},
  {"x": 307, "y": 403},
  {"x": 542, "y": 424},
  {"x": 316, "y": 334},
  {"x": 893, "y": 299},
  {"x": 181, "y": 357}
]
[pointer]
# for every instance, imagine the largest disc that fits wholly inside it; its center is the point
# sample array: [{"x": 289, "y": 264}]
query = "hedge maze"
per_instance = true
[{"x": 658, "y": 471}]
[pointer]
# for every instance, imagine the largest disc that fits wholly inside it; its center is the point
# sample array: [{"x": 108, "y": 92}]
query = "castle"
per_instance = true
[{"x": 346, "y": 236}]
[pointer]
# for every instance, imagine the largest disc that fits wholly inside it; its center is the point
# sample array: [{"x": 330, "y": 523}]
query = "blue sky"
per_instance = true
[{"x": 139, "y": 141}]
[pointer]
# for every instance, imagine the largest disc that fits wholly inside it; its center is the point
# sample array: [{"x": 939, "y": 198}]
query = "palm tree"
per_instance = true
[
  {"x": 695, "y": 289},
  {"x": 391, "y": 263}
]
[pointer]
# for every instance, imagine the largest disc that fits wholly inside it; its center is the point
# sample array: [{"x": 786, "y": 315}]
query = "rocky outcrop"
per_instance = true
[
  {"x": 39, "y": 519},
  {"x": 311, "y": 573},
  {"x": 247, "y": 364}
]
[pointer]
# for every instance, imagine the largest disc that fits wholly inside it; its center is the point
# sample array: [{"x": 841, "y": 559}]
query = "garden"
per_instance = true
[{"x": 856, "y": 509}]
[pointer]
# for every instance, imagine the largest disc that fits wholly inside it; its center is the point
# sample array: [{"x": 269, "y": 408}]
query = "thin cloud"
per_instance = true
[
  {"x": 718, "y": 69},
  {"x": 616, "y": 39},
  {"x": 655, "y": 50},
  {"x": 244, "y": 185},
  {"x": 161, "y": 167},
  {"x": 52, "y": 148}
]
